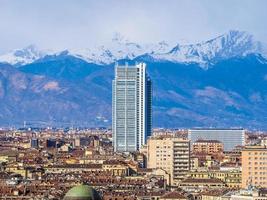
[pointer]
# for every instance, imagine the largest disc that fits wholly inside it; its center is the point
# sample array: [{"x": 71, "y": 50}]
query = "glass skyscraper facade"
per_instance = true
[
  {"x": 229, "y": 137},
  {"x": 131, "y": 107}
]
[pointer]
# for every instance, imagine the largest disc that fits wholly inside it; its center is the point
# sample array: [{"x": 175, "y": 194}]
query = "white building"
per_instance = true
[{"x": 131, "y": 107}]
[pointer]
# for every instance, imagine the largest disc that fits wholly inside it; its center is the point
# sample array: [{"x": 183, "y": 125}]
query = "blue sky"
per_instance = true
[{"x": 60, "y": 24}]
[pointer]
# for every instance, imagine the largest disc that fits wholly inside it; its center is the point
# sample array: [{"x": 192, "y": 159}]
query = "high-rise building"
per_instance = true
[
  {"x": 171, "y": 154},
  {"x": 131, "y": 107},
  {"x": 254, "y": 166},
  {"x": 34, "y": 143},
  {"x": 51, "y": 143},
  {"x": 229, "y": 137},
  {"x": 77, "y": 142}
]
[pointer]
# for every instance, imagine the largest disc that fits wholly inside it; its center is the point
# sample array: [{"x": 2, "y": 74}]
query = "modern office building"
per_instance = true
[
  {"x": 34, "y": 143},
  {"x": 51, "y": 143},
  {"x": 229, "y": 137},
  {"x": 171, "y": 154},
  {"x": 131, "y": 107},
  {"x": 254, "y": 166}
]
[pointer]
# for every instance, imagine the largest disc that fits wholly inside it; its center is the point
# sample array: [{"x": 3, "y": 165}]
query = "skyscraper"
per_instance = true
[
  {"x": 131, "y": 107},
  {"x": 34, "y": 143}
]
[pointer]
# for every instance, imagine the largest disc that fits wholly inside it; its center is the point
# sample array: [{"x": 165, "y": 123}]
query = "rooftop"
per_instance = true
[
  {"x": 254, "y": 147},
  {"x": 173, "y": 195},
  {"x": 201, "y": 180}
]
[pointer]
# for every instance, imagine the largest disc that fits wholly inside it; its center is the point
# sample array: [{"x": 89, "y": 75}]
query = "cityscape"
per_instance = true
[{"x": 182, "y": 119}]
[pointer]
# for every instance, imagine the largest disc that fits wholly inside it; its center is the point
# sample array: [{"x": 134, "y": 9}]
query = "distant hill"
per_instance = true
[{"x": 218, "y": 83}]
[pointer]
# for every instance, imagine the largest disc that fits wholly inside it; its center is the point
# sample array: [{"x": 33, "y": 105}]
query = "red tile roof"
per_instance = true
[{"x": 173, "y": 195}]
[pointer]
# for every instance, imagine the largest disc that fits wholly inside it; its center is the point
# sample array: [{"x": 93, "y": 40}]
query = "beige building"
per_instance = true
[
  {"x": 232, "y": 178},
  {"x": 171, "y": 154},
  {"x": 207, "y": 146},
  {"x": 254, "y": 166},
  {"x": 194, "y": 162},
  {"x": 190, "y": 184},
  {"x": 116, "y": 167}
]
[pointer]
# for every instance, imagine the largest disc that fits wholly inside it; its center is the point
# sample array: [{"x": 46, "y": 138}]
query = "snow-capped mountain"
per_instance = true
[
  {"x": 119, "y": 48},
  {"x": 232, "y": 44},
  {"x": 23, "y": 56},
  {"x": 229, "y": 45}
]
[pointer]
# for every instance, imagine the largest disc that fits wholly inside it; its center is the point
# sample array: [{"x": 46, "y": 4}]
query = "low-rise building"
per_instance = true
[
  {"x": 232, "y": 178},
  {"x": 190, "y": 184},
  {"x": 207, "y": 146},
  {"x": 116, "y": 168},
  {"x": 217, "y": 194},
  {"x": 250, "y": 194}
]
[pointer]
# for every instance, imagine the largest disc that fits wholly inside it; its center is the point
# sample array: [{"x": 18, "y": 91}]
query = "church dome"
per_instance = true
[{"x": 82, "y": 192}]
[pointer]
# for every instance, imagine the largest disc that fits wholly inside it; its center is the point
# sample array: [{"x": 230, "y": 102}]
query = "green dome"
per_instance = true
[{"x": 82, "y": 192}]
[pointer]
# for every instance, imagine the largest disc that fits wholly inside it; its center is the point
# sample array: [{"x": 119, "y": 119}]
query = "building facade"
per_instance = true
[
  {"x": 230, "y": 138},
  {"x": 171, "y": 154},
  {"x": 254, "y": 166},
  {"x": 131, "y": 107},
  {"x": 250, "y": 194},
  {"x": 207, "y": 146},
  {"x": 232, "y": 178},
  {"x": 34, "y": 143}
]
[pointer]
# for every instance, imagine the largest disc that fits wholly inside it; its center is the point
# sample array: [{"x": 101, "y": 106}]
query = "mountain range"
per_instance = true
[{"x": 220, "y": 82}]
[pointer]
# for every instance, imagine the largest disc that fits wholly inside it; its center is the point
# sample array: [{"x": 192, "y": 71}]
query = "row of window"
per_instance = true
[
  {"x": 256, "y": 158},
  {"x": 256, "y": 163},
  {"x": 257, "y": 153}
]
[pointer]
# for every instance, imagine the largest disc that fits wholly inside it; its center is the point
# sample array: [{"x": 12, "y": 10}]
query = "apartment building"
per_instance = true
[
  {"x": 171, "y": 154},
  {"x": 254, "y": 166}
]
